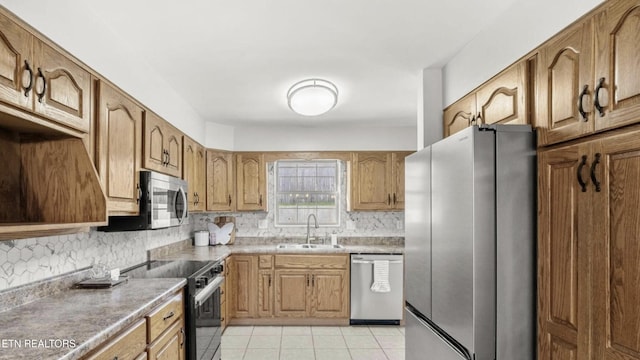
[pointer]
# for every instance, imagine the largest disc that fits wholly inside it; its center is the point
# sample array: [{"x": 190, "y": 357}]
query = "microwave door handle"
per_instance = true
[{"x": 184, "y": 208}]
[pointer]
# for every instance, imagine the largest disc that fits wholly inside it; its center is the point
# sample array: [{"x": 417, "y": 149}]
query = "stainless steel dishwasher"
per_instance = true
[{"x": 367, "y": 306}]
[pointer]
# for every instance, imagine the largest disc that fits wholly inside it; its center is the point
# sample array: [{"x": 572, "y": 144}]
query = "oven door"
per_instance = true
[
  {"x": 168, "y": 201},
  {"x": 208, "y": 334}
]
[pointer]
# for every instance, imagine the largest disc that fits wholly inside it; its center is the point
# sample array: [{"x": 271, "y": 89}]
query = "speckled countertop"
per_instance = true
[
  {"x": 219, "y": 252},
  {"x": 45, "y": 329}
]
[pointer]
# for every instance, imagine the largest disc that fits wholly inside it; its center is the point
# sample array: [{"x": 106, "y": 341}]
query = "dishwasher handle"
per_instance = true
[{"x": 354, "y": 261}]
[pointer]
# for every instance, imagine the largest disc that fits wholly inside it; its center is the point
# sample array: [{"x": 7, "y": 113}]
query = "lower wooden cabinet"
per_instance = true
[
  {"x": 588, "y": 249},
  {"x": 170, "y": 345},
  {"x": 161, "y": 333},
  {"x": 289, "y": 287}
]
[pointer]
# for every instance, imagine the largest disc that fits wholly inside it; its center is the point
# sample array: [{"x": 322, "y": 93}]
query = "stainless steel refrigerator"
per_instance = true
[{"x": 470, "y": 246}]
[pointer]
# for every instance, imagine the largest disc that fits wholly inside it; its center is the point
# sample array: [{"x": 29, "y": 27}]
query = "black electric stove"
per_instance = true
[{"x": 202, "y": 301}]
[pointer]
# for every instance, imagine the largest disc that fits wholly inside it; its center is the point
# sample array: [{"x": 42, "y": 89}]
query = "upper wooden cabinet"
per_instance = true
[
  {"x": 501, "y": 100},
  {"x": 589, "y": 81},
  {"x": 193, "y": 171},
  {"x": 221, "y": 194},
  {"x": 251, "y": 185},
  {"x": 617, "y": 68},
  {"x": 162, "y": 146},
  {"x": 377, "y": 180},
  {"x": 588, "y": 249},
  {"x": 36, "y": 77},
  {"x": 118, "y": 149}
]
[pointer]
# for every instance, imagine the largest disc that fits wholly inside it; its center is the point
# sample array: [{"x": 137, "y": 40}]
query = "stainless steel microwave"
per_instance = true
[{"x": 163, "y": 203}]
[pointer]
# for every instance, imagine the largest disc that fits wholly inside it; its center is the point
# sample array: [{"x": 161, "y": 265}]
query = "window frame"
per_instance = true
[{"x": 338, "y": 194}]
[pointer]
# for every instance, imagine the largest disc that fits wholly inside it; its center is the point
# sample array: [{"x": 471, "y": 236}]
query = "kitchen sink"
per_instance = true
[{"x": 308, "y": 246}]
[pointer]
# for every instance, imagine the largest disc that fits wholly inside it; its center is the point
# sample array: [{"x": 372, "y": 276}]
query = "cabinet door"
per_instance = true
[
  {"x": 244, "y": 280},
  {"x": 118, "y": 149},
  {"x": 565, "y": 79},
  {"x": 200, "y": 178},
  {"x": 62, "y": 88},
  {"x": 330, "y": 293},
  {"x": 459, "y": 115},
  {"x": 265, "y": 293},
  {"x": 617, "y": 64},
  {"x": 155, "y": 137},
  {"x": 398, "y": 179},
  {"x": 170, "y": 345},
  {"x": 564, "y": 226},
  {"x": 292, "y": 293},
  {"x": 220, "y": 185},
  {"x": 189, "y": 171},
  {"x": 250, "y": 181},
  {"x": 502, "y": 99},
  {"x": 371, "y": 182},
  {"x": 173, "y": 146},
  {"x": 16, "y": 68},
  {"x": 127, "y": 345},
  {"x": 616, "y": 259}
]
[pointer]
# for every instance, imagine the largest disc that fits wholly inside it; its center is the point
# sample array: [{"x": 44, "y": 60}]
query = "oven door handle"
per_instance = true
[{"x": 208, "y": 290}]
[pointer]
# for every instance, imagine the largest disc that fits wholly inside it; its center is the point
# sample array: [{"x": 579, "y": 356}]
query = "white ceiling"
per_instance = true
[{"x": 234, "y": 60}]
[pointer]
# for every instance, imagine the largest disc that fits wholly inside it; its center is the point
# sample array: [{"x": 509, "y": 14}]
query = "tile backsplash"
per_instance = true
[{"x": 27, "y": 260}]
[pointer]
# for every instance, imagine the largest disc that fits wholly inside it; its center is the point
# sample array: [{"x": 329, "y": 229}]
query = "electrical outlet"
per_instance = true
[
  {"x": 399, "y": 224},
  {"x": 263, "y": 224}
]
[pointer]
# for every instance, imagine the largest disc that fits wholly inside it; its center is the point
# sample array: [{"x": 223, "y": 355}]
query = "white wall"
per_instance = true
[
  {"x": 219, "y": 136},
  {"x": 520, "y": 29},
  {"x": 288, "y": 138},
  {"x": 110, "y": 57},
  {"x": 430, "y": 107}
]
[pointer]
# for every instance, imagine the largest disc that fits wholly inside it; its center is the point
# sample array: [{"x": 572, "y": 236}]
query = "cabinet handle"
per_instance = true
[
  {"x": 183, "y": 336},
  {"x": 30, "y": 86},
  {"x": 260, "y": 200},
  {"x": 596, "y": 96},
  {"x": 594, "y": 180},
  {"x": 44, "y": 85},
  {"x": 229, "y": 199},
  {"x": 168, "y": 157},
  {"x": 313, "y": 281},
  {"x": 473, "y": 120},
  {"x": 388, "y": 199},
  {"x": 583, "y": 185},
  {"x": 269, "y": 280},
  {"x": 168, "y": 316},
  {"x": 307, "y": 280},
  {"x": 139, "y": 193},
  {"x": 395, "y": 200},
  {"x": 478, "y": 119},
  {"x": 580, "y": 98}
]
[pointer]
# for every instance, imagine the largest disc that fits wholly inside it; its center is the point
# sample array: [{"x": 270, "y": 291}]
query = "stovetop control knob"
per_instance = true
[{"x": 201, "y": 282}]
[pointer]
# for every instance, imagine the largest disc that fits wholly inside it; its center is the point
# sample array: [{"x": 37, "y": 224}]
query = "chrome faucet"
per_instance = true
[{"x": 309, "y": 222}]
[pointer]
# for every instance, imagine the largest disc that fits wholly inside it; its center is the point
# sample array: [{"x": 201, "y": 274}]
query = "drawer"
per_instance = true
[
  {"x": 311, "y": 261},
  {"x": 162, "y": 317},
  {"x": 265, "y": 261},
  {"x": 126, "y": 346}
]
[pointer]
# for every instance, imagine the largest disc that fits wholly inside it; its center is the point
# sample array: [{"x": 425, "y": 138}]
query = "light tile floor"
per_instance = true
[{"x": 313, "y": 343}]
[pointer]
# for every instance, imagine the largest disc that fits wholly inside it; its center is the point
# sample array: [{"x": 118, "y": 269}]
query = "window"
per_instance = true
[{"x": 307, "y": 187}]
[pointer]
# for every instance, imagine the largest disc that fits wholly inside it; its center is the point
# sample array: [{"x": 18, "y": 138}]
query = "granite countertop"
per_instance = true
[
  {"x": 47, "y": 328},
  {"x": 219, "y": 252}
]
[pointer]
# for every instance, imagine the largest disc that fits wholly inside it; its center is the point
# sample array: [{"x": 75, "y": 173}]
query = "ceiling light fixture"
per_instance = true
[{"x": 312, "y": 97}]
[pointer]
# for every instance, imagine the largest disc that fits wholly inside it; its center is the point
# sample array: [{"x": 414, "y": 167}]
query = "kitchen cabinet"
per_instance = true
[
  {"x": 170, "y": 345},
  {"x": 265, "y": 286},
  {"x": 162, "y": 146},
  {"x": 118, "y": 149},
  {"x": 589, "y": 78},
  {"x": 220, "y": 183},
  {"x": 130, "y": 344},
  {"x": 242, "y": 286},
  {"x": 377, "y": 180},
  {"x": 193, "y": 171},
  {"x": 504, "y": 99},
  {"x": 588, "y": 248},
  {"x": 311, "y": 286},
  {"x": 251, "y": 184},
  {"x": 36, "y": 77}
]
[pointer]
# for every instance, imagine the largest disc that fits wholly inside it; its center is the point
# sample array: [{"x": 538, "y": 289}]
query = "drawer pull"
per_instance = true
[{"x": 169, "y": 316}]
